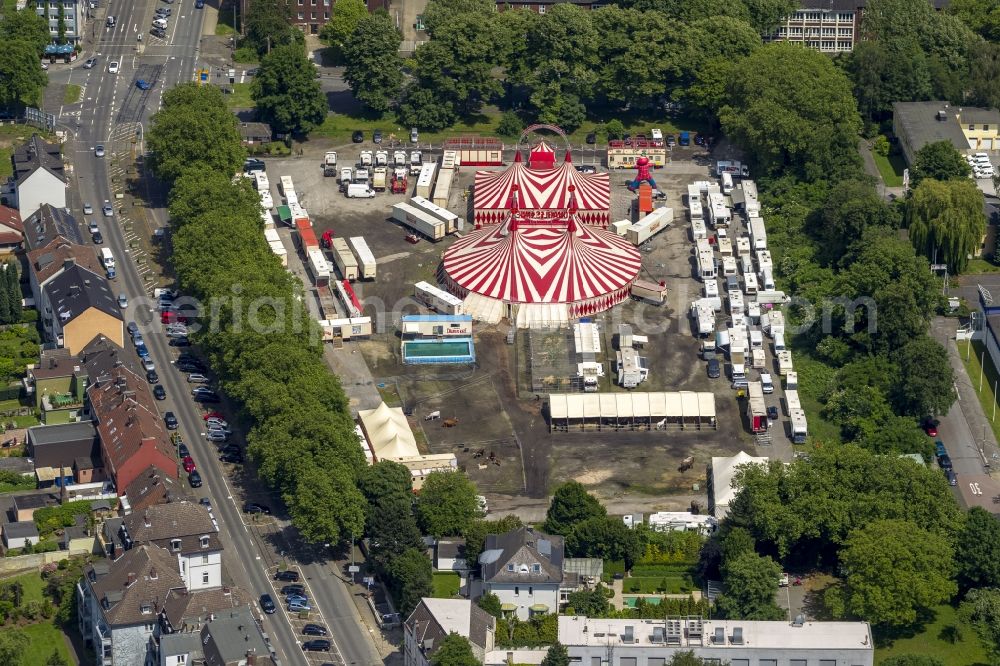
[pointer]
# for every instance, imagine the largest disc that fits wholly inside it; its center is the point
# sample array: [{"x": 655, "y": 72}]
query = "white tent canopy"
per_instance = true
[
  {"x": 723, "y": 471},
  {"x": 388, "y": 432},
  {"x": 634, "y": 409}
]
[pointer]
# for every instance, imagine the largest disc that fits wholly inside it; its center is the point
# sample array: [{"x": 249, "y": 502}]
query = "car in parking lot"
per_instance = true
[
  {"x": 207, "y": 397},
  {"x": 159, "y": 392},
  {"x": 252, "y": 164},
  {"x": 930, "y": 426},
  {"x": 177, "y": 331},
  {"x": 158, "y": 32},
  {"x": 197, "y": 378},
  {"x": 132, "y": 328},
  {"x": 289, "y": 575},
  {"x": 414, "y": 135},
  {"x": 232, "y": 457},
  {"x": 671, "y": 140},
  {"x": 205, "y": 502},
  {"x": 188, "y": 463},
  {"x": 215, "y": 427},
  {"x": 147, "y": 364},
  {"x": 180, "y": 342},
  {"x": 714, "y": 368},
  {"x": 772, "y": 413},
  {"x": 267, "y": 604},
  {"x": 358, "y": 136},
  {"x": 952, "y": 479},
  {"x": 296, "y": 598},
  {"x": 254, "y": 507},
  {"x": 944, "y": 462},
  {"x": 939, "y": 449},
  {"x": 312, "y": 629},
  {"x": 317, "y": 645},
  {"x": 208, "y": 416},
  {"x": 164, "y": 11},
  {"x": 377, "y": 136},
  {"x": 298, "y": 607},
  {"x": 89, "y": 210},
  {"x": 170, "y": 420},
  {"x": 182, "y": 451},
  {"x": 107, "y": 209},
  {"x": 137, "y": 338},
  {"x": 216, "y": 422},
  {"x": 294, "y": 588},
  {"x": 216, "y": 436},
  {"x": 142, "y": 351},
  {"x": 194, "y": 478},
  {"x": 185, "y": 361},
  {"x": 99, "y": 150}
]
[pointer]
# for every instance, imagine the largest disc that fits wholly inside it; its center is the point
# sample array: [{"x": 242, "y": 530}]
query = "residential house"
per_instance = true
[
  {"x": 79, "y": 539},
  {"x": 48, "y": 262},
  {"x": 255, "y": 133},
  {"x": 230, "y": 638},
  {"x": 50, "y": 224},
  {"x": 185, "y": 612},
  {"x": 450, "y": 555},
  {"x": 68, "y": 453},
  {"x": 153, "y": 487},
  {"x": 524, "y": 568},
  {"x": 118, "y": 604},
  {"x": 11, "y": 231},
  {"x": 24, "y": 505},
  {"x": 968, "y": 129},
  {"x": 71, "y": 13},
  {"x": 58, "y": 383},
  {"x": 39, "y": 176},
  {"x": 20, "y": 534},
  {"x": 103, "y": 359},
  {"x": 736, "y": 642},
  {"x": 79, "y": 307},
  {"x": 433, "y": 619},
  {"x": 185, "y": 529}
]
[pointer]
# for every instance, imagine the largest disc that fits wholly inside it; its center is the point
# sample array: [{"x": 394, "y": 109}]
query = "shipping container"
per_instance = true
[
  {"x": 452, "y": 222},
  {"x": 449, "y": 160},
  {"x": 425, "y": 181},
  {"x": 644, "y": 205},
  {"x": 366, "y": 260},
  {"x": 437, "y": 299},
  {"x": 442, "y": 189},
  {"x": 649, "y": 291},
  {"x": 345, "y": 261},
  {"x": 648, "y": 226},
  {"x": 318, "y": 266},
  {"x": 421, "y": 222}
]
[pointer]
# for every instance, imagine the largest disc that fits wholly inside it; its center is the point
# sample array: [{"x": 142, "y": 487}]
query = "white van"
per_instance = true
[
  {"x": 360, "y": 191},
  {"x": 107, "y": 258},
  {"x": 779, "y": 342},
  {"x": 767, "y": 279},
  {"x": 750, "y": 281},
  {"x": 767, "y": 384},
  {"x": 727, "y": 183}
]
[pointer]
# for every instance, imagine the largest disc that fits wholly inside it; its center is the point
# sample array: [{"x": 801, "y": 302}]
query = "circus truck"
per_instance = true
[
  {"x": 623, "y": 154},
  {"x": 366, "y": 260},
  {"x": 420, "y": 221},
  {"x": 438, "y": 300},
  {"x": 653, "y": 292},
  {"x": 344, "y": 259}
]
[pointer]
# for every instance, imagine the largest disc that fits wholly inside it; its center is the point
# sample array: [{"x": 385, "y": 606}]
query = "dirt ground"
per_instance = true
[{"x": 496, "y": 410}]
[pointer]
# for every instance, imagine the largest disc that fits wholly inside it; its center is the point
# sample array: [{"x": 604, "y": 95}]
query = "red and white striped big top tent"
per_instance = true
[
  {"x": 540, "y": 274},
  {"x": 543, "y": 191}
]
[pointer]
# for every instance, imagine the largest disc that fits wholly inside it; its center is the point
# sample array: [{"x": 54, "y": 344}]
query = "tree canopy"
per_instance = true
[
  {"x": 344, "y": 19},
  {"x": 571, "y": 504},
  {"x": 26, "y": 25},
  {"x": 410, "y": 579},
  {"x": 938, "y": 160},
  {"x": 946, "y": 219},
  {"x": 981, "y": 609},
  {"x": 373, "y": 66},
  {"x": 447, "y": 504},
  {"x": 21, "y": 77},
  {"x": 751, "y": 585},
  {"x": 454, "y": 650},
  {"x": 977, "y": 550},
  {"x": 286, "y": 91}
]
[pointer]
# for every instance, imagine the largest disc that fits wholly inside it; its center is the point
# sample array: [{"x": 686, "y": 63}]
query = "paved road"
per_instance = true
[{"x": 111, "y": 113}]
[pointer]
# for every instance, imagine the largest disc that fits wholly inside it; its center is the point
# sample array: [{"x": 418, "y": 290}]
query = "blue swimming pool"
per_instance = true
[{"x": 452, "y": 350}]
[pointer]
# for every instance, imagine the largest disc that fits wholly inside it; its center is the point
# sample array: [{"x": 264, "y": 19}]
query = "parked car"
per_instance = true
[
  {"x": 267, "y": 604},
  {"x": 377, "y": 136},
  {"x": 164, "y": 11},
  {"x": 216, "y": 436},
  {"x": 205, "y": 502},
  {"x": 939, "y": 449},
  {"x": 930, "y": 426},
  {"x": 194, "y": 478},
  {"x": 289, "y": 575},
  {"x": 294, "y": 588},
  {"x": 197, "y": 378},
  {"x": 170, "y": 420},
  {"x": 296, "y": 598},
  {"x": 180, "y": 342},
  {"x": 318, "y": 645},
  {"x": 358, "y": 136},
  {"x": 298, "y": 607},
  {"x": 212, "y": 427},
  {"x": 215, "y": 421},
  {"x": 944, "y": 462},
  {"x": 714, "y": 368},
  {"x": 159, "y": 393},
  {"x": 207, "y": 397},
  {"x": 414, "y": 135},
  {"x": 772, "y": 413},
  {"x": 182, "y": 451},
  {"x": 592, "y": 138},
  {"x": 252, "y": 164},
  {"x": 133, "y": 329},
  {"x": 211, "y": 415},
  {"x": 89, "y": 210},
  {"x": 97, "y": 238},
  {"x": 254, "y": 507},
  {"x": 952, "y": 479},
  {"x": 188, "y": 463},
  {"x": 232, "y": 457},
  {"x": 152, "y": 377},
  {"x": 147, "y": 364},
  {"x": 586, "y": 168}
]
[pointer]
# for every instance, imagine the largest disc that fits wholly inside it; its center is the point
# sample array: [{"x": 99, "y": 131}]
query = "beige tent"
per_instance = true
[{"x": 388, "y": 433}]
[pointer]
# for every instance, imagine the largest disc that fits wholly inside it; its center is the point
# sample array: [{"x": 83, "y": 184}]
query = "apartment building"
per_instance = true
[{"x": 830, "y": 26}]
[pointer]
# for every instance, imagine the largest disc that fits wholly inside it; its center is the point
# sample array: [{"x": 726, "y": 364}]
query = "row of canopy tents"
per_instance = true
[{"x": 632, "y": 411}]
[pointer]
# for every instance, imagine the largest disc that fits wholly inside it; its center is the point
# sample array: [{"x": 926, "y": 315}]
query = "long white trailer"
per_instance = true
[
  {"x": 286, "y": 186},
  {"x": 800, "y": 427},
  {"x": 698, "y": 230},
  {"x": 318, "y": 266},
  {"x": 419, "y": 221},
  {"x": 703, "y": 315},
  {"x": 425, "y": 181},
  {"x": 695, "y": 209},
  {"x": 453, "y": 222},
  {"x": 342, "y": 256},
  {"x": 719, "y": 214},
  {"x": 706, "y": 265},
  {"x": 758, "y": 234},
  {"x": 437, "y": 299},
  {"x": 442, "y": 189},
  {"x": 366, "y": 260},
  {"x": 648, "y": 226}
]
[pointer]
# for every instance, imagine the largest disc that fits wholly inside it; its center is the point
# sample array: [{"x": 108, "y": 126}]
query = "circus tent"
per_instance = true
[{"x": 542, "y": 194}]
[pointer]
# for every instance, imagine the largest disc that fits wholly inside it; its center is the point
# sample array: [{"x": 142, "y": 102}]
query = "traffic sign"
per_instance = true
[{"x": 353, "y": 569}]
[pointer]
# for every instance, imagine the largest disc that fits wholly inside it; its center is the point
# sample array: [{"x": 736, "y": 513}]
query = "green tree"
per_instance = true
[
  {"x": 327, "y": 506},
  {"x": 912, "y": 660},
  {"x": 980, "y": 15},
  {"x": 21, "y": 78},
  {"x": 373, "y": 66},
  {"x": 510, "y": 124},
  {"x": 751, "y": 585},
  {"x": 267, "y": 25},
  {"x": 454, "y": 650},
  {"x": 447, "y": 503},
  {"x": 61, "y": 24},
  {"x": 884, "y": 72},
  {"x": 55, "y": 659},
  {"x": 392, "y": 529},
  {"x": 26, "y": 25},
  {"x": 927, "y": 381},
  {"x": 981, "y": 609},
  {"x": 851, "y": 207},
  {"x": 977, "y": 550},
  {"x": 686, "y": 658},
  {"x": 195, "y": 130},
  {"x": 946, "y": 219},
  {"x": 439, "y": 12},
  {"x": 286, "y": 91},
  {"x": 422, "y": 107},
  {"x": 475, "y": 533},
  {"x": 938, "y": 160},
  {"x": 14, "y": 297},
  {"x": 766, "y": 15},
  {"x": 5, "y": 305},
  {"x": 13, "y": 644},
  {"x": 984, "y": 76},
  {"x": 614, "y": 129},
  {"x": 780, "y": 100},
  {"x": 592, "y": 602},
  {"x": 410, "y": 580},
  {"x": 734, "y": 542},
  {"x": 895, "y": 571},
  {"x": 571, "y": 504},
  {"x": 557, "y": 655},
  {"x": 344, "y": 19},
  {"x": 490, "y": 603},
  {"x": 607, "y": 538},
  {"x": 386, "y": 479}
]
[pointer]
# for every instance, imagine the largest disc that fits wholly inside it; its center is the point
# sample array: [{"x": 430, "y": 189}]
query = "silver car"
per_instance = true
[{"x": 197, "y": 378}]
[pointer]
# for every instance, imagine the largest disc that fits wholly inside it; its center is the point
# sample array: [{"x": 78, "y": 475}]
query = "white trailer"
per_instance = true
[
  {"x": 452, "y": 222},
  {"x": 729, "y": 266},
  {"x": 766, "y": 279},
  {"x": 743, "y": 247},
  {"x": 449, "y": 160},
  {"x": 366, "y": 260},
  {"x": 719, "y": 214},
  {"x": 706, "y": 265},
  {"x": 437, "y": 299},
  {"x": 318, "y": 266},
  {"x": 271, "y": 235},
  {"x": 442, "y": 189},
  {"x": 381, "y": 158},
  {"x": 792, "y": 399},
  {"x": 695, "y": 210},
  {"x": 648, "y": 226},
  {"x": 649, "y": 291},
  {"x": 703, "y": 315},
  {"x": 285, "y": 185},
  {"x": 330, "y": 163},
  {"x": 791, "y": 381},
  {"x": 770, "y": 296},
  {"x": 399, "y": 158},
  {"x": 425, "y": 181},
  {"x": 620, "y": 227},
  {"x": 632, "y": 368},
  {"x": 725, "y": 247},
  {"x": 736, "y": 304},
  {"x": 774, "y": 323},
  {"x": 260, "y": 180},
  {"x": 758, "y": 234},
  {"x": 342, "y": 256},
  {"x": 750, "y": 284},
  {"x": 416, "y": 162},
  {"x": 763, "y": 259},
  {"x": 784, "y": 362},
  {"x": 698, "y": 231},
  {"x": 278, "y": 248},
  {"x": 421, "y": 222},
  {"x": 758, "y": 359},
  {"x": 800, "y": 428},
  {"x": 712, "y": 295},
  {"x": 366, "y": 159}
]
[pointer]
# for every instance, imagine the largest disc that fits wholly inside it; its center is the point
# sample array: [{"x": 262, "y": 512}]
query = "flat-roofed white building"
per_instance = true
[{"x": 636, "y": 642}]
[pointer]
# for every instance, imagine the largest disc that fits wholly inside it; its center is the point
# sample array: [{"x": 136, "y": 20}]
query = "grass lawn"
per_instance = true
[
  {"x": 446, "y": 584},
  {"x": 6, "y": 167},
  {"x": 72, "y": 94},
  {"x": 655, "y": 585},
  {"x": 814, "y": 377},
  {"x": 228, "y": 23},
  {"x": 240, "y": 98},
  {"x": 45, "y": 637},
  {"x": 31, "y": 583},
  {"x": 989, "y": 374},
  {"x": 981, "y": 266},
  {"x": 891, "y": 169},
  {"x": 945, "y": 638}
]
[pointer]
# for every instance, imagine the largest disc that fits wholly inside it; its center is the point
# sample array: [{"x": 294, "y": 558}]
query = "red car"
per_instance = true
[
  {"x": 189, "y": 465},
  {"x": 930, "y": 427},
  {"x": 213, "y": 415}
]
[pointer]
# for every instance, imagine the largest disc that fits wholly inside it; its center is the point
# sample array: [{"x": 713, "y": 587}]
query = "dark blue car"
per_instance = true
[{"x": 143, "y": 84}]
